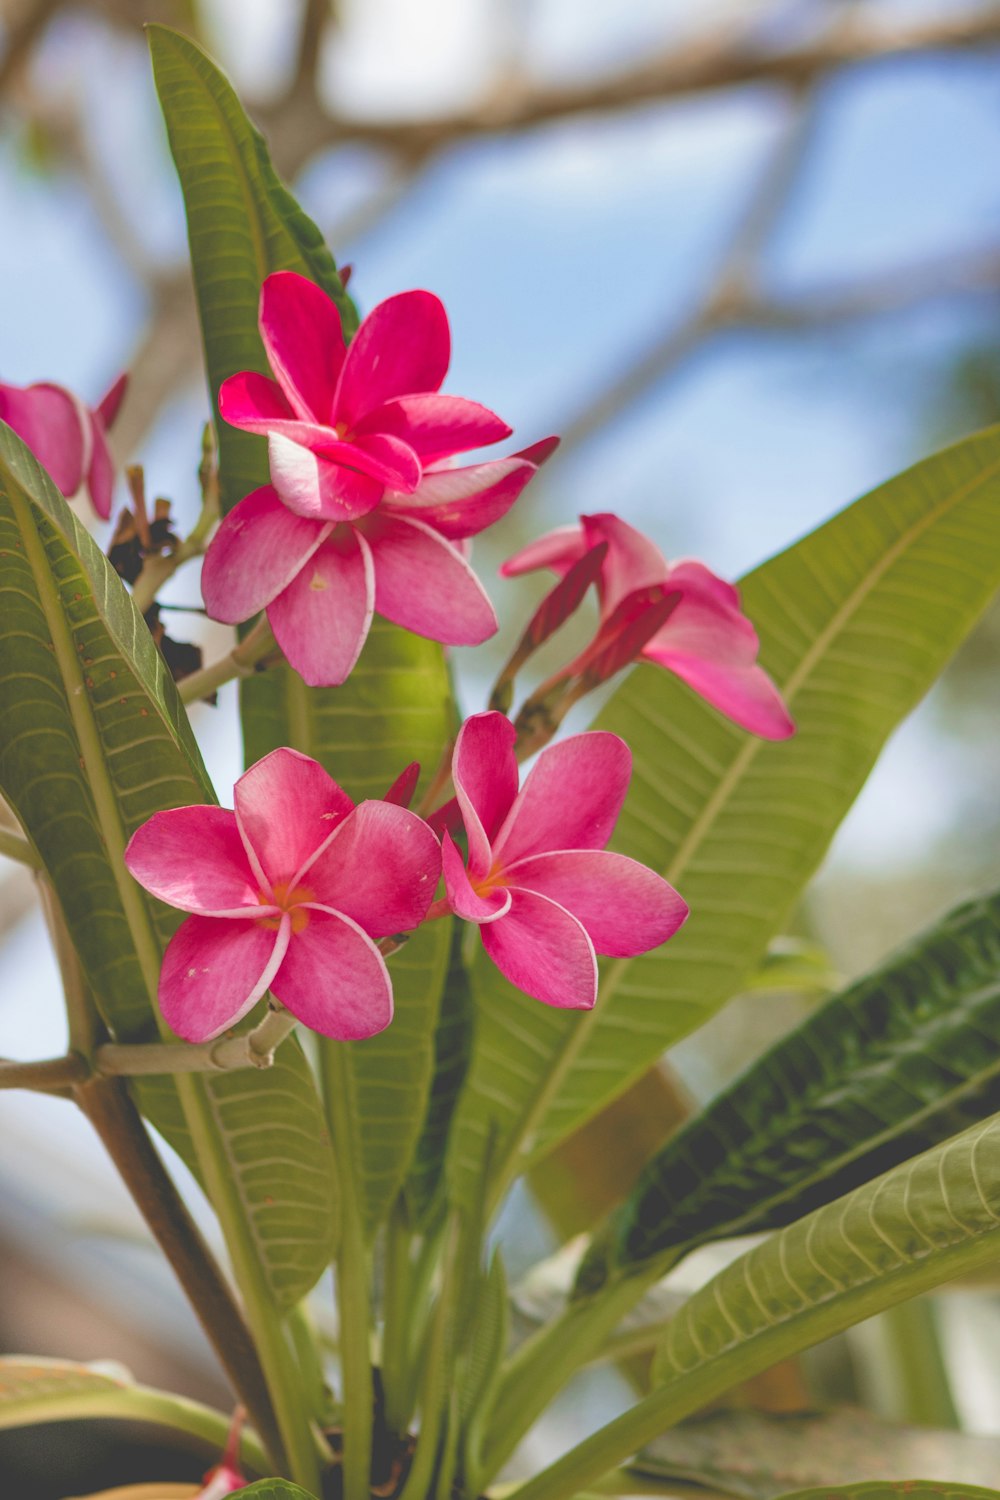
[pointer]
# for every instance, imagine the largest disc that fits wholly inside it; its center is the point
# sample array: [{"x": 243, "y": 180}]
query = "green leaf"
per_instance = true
[
  {"x": 900, "y": 1489},
  {"x": 897, "y": 1062},
  {"x": 94, "y": 741},
  {"x": 34, "y": 1390},
  {"x": 276, "y": 1489},
  {"x": 856, "y": 621}
]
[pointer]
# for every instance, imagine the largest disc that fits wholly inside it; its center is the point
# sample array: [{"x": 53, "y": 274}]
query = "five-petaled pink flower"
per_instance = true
[
  {"x": 286, "y": 893},
  {"x": 707, "y": 640},
  {"x": 364, "y": 509},
  {"x": 68, "y": 438},
  {"x": 544, "y": 890}
]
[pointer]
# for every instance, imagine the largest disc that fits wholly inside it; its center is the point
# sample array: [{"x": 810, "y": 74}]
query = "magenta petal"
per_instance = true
[
  {"x": 101, "y": 471},
  {"x": 287, "y": 806},
  {"x": 625, "y": 907},
  {"x": 390, "y": 460},
  {"x": 50, "y": 421},
  {"x": 466, "y": 902},
  {"x": 423, "y": 583},
  {"x": 320, "y": 486},
  {"x": 381, "y": 869},
  {"x": 696, "y": 580},
  {"x": 402, "y": 789},
  {"x": 256, "y": 552},
  {"x": 215, "y": 972},
  {"x": 484, "y": 770},
  {"x": 334, "y": 979},
  {"x": 193, "y": 858},
  {"x": 321, "y": 620},
  {"x": 402, "y": 347},
  {"x": 109, "y": 406},
  {"x": 254, "y": 403},
  {"x": 437, "y": 426},
  {"x": 462, "y": 502},
  {"x": 571, "y": 798},
  {"x": 558, "y": 550},
  {"x": 744, "y": 694},
  {"x": 633, "y": 562},
  {"x": 544, "y": 951},
  {"x": 301, "y": 330}
]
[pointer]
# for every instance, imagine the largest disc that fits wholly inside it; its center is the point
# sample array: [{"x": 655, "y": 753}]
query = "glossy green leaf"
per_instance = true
[
  {"x": 897, "y": 1062},
  {"x": 94, "y": 741},
  {"x": 900, "y": 1489},
  {"x": 856, "y": 621}
]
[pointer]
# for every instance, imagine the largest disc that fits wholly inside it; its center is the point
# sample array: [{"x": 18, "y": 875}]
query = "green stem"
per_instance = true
[
  {"x": 398, "y": 1314},
  {"x": 16, "y": 846},
  {"x": 252, "y": 1049},
  {"x": 917, "y": 1376},
  {"x": 243, "y": 661},
  {"x": 51, "y": 1076},
  {"x": 436, "y": 1381}
]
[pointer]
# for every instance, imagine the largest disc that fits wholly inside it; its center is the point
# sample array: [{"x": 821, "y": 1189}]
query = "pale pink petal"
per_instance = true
[
  {"x": 484, "y": 770},
  {"x": 390, "y": 460},
  {"x": 625, "y": 907},
  {"x": 402, "y": 348},
  {"x": 255, "y": 403},
  {"x": 570, "y": 800},
  {"x": 287, "y": 806},
  {"x": 544, "y": 951},
  {"x": 334, "y": 979},
  {"x": 193, "y": 858},
  {"x": 380, "y": 868},
  {"x": 321, "y": 486},
  {"x": 633, "y": 562},
  {"x": 558, "y": 550},
  {"x": 101, "y": 472},
  {"x": 215, "y": 972},
  {"x": 703, "y": 626},
  {"x": 321, "y": 620},
  {"x": 48, "y": 419},
  {"x": 695, "y": 578},
  {"x": 462, "y": 502},
  {"x": 109, "y": 406},
  {"x": 423, "y": 583},
  {"x": 437, "y": 426},
  {"x": 301, "y": 330},
  {"x": 744, "y": 694},
  {"x": 256, "y": 552},
  {"x": 466, "y": 902}
]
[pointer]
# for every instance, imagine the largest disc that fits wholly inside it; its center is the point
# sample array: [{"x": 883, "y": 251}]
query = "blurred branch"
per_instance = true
[
  {"x": 23, "y": 30},
  {"x": 315, "y": 15}
]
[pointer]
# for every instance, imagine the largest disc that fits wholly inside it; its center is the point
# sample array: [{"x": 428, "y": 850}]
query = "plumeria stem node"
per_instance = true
[{"x": 250, "y": 656}]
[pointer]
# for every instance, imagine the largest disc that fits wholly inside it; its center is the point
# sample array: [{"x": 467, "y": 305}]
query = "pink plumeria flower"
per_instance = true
[
  {"x": 365, "y": 511},
  {"x": 68, "y": 438},
  {"x": 706, "y": 640},
  {"x": 545, "y": 892},
  {"x": 287, "y": 893}
]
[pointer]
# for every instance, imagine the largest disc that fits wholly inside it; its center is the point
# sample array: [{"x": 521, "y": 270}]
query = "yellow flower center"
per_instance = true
[{"x": 290, "y": 904}]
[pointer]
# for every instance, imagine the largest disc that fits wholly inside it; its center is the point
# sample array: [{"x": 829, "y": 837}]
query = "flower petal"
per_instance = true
[
  {"x": 744, "y": 694},
  {"x": 558, "y": 550},
  {"x": 570, "y": 800},
  {"x": 193, "y": 858},
  {"x": 424, "y": 584},
  {"x": 320, "y": 485},
  {"x": 437, "y": 426},
  {"x": 215, "y": 972},
  {"x": 256, "y": 552},
  {"x": 624, "y": 907},
  {"x": 321, "y": 620},
  {"x": 461, "y": 502},
  {"x": 464, "y": 900},
  {"x": 109, "y": 406},
  {"x": 484, "y": 770},
  {"x": 301, "y": 330},
  {"x": 380, "y": 869},
  {"x": 390, "y": 460},
  {"x": 334, "y": 979},
  {"x": 48, "y": 419},
  {"x": 402, "y": 347},
  {"x": 101, "y": 471},
  {"x": 287, "y": 806},
  {"x": 255, "y": 403},
  {"x": 544, "y": 951},
  {"x": 633, "y": 561}
]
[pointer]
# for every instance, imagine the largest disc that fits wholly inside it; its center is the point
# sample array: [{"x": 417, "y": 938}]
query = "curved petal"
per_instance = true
[
  {"x": 101, "y": 470},
  {"x": 423, "y": 583},
  {"x": 544, "y": 951},
  {"x": 390, "y": 459},
  {"x": 109, "y": 406},
  {"x": 320, "y": 486},
  {"x": 255, "y": 403},
  {"x": 558, "y": 550},
  {"x": 462, "y": 502},
  {"x": 484, "y": 770},
  {"x": 301, "y": 330},
  {"x": 380, "y": 869},
  {"x": 256, "y": 552},
  {"x": 334, "y": 979},
  {"x": 570, "y": 800},
  {"x": 193, "y": 858},
  {"x": 402, "y": 347},
  {"x": 694, "y": 577},
  {"x": 466, "y": 902},
  {"x": 215, "y": 972},
  {"x": 624, "y": 907},
  {"x": 744, "y": 694},
  {"x": 437, "y": 426},
  {"x": 287, "y": 806},
  {"x": 321, "y": 620},
  {"x": 633, "y": 561},
  {"x": 48, "y": 419}
]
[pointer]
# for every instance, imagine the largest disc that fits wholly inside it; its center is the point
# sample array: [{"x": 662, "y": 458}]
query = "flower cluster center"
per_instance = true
[{"x": 290, "y": 900}]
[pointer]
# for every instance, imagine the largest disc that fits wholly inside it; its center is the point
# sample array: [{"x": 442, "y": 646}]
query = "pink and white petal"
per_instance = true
[
  {"x": 633, "y": 561},
  {"x": 390, "y": 460},
  {"x": 319, "y": 486},
  {"x": 459, "y": 503},
  {"x": 215, "y": 972},
  {"x": 557, "y": 550},
  {"x": 287, "y": 806},
  {"x": 466, "y": 902},
  {"x": 625, "y": 907},
  {"x": 403, "y": 347},
  {"x": 334, "y": 979},
  {"x": 423, "y": 583},
  {"x": 484, "y": 770},
  {"x": 48, "y": 419},
  {"x": 256, "y": 552},
  {"x": 744, "y": 694},
  {"x": 380, "y": 868},
  {"x": 101, "y": 471},
  {"x": 193, "y": 858},
  {"x": 570, "y": 800},
  {"x": 302, "y": 335},
  {"x": 544, "y": 951},
  {"x": 321, "y": 620},
  {"x": 437, "y": 426},
  {"x": 254, "y": 403}
]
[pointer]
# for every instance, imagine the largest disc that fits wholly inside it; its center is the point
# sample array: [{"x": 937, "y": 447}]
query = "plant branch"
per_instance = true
[
  {"x": 53, "y": 1075},
  {"x": 251, "y": 1049},
  {"x": 16, "y": 846},
  {"x": 246, "y": 657}
]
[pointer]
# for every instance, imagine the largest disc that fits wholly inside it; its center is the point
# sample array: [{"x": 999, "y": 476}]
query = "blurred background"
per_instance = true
[{"x": 744, "y": 255}]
